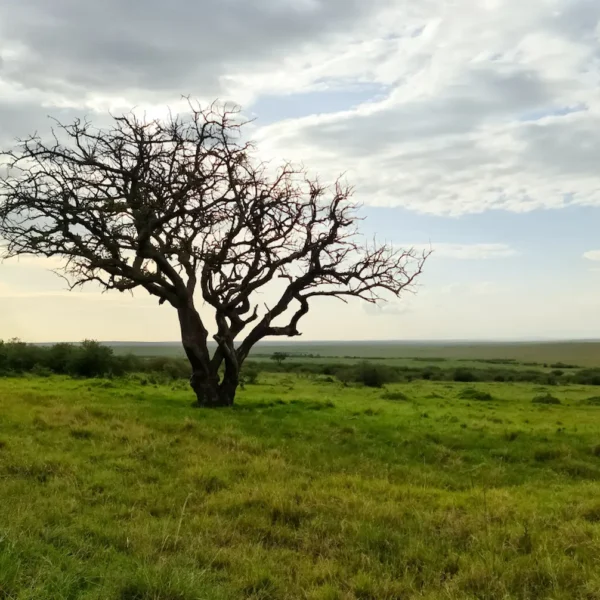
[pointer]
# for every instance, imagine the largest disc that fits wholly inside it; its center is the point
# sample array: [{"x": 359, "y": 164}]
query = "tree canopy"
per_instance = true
[{"x": 184, "y": 208}]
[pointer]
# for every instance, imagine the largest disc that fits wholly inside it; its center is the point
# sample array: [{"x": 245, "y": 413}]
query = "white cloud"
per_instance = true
[
  {"x": 493, "y": 106},
  {"x": 387, "y": 309},
  {"x": 489, "y": 105},
  {"x": 468, "y": 251},
  {"x": 592, "y": 255}
]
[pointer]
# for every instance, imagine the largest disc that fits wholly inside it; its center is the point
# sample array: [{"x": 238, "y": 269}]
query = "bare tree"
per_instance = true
[{"x": 182, "y": 206}]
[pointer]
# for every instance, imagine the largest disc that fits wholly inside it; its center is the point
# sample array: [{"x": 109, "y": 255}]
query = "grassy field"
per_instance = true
[
  {"x": 305, "y": 490},
  {"x": 585, "y": 354}
]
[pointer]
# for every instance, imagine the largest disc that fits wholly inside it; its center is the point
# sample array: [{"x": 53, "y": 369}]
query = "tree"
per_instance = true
[
  {"x": 279, "y": 357},
  {"x": 182, "y": 206}
]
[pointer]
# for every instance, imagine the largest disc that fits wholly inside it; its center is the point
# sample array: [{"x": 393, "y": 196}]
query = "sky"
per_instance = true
[{"x": 471, "y": 126}]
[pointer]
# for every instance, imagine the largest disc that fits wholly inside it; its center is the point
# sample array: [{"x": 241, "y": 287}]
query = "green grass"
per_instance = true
[{"x": 307, "y": 489}]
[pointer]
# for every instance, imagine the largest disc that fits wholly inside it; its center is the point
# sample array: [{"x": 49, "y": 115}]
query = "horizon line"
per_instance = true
[{"x": 371, "y": 341}]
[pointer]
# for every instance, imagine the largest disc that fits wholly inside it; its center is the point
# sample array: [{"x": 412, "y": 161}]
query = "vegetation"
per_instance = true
[
  {"x": 474, "y": 394},
  {"x": 115, "y": 489},
  {"x": 546, "y": 399},
  {"x": 539, "y": 354},
  {"x": 279, "y": 357},
  {"x": 91, "y": 359}
]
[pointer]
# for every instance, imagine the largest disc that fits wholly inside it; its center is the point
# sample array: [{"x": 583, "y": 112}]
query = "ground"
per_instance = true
[{"x": 111, "y": 489}]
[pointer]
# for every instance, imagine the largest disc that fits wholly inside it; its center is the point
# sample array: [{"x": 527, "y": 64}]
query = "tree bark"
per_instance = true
[
  {"x": 229, "y": 386},
  {"x": 210, "y": 392},
  {"x": 207, "y": 390}
]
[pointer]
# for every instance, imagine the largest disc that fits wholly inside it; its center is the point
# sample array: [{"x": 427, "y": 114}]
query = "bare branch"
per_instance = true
[{"x": 182, "y": 203}]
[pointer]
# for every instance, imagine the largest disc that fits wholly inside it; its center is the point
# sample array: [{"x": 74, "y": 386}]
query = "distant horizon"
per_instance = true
[{"x": 432, "y": 341}]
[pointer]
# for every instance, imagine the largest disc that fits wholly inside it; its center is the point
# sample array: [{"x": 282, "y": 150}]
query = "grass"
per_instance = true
[{"x": 306, "y": 490}]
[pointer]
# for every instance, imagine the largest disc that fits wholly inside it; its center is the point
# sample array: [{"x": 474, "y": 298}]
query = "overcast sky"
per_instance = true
[{"x": 473, "y": 125}]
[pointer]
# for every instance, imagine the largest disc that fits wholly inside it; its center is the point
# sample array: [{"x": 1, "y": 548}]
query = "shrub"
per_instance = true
[
  {"x": 366, "y": 373},
  {"x": 372, "y": 375},
  {"x": 171, "y": 368},
  {"x": 279, "y": 357},
  {"x": 60, "y": 356},
  {"x": 18, "y": 356},
  {"x": 464, "y": 375},
  {"x": 92, "y": 359},
  {"x": 129, "y": 363},
  {"x": 41, "y": 370},
  {"x": 473, "y": 394},
  {"x": 250, "y": 373},
  {"x": 431, "y": 373},
  {"x": 546, "y": 399},
  {"x": 588, "y": 377}
]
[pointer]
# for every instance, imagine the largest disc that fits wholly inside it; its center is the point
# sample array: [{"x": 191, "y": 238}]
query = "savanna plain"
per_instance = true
[{"x": 313, "y": 486}]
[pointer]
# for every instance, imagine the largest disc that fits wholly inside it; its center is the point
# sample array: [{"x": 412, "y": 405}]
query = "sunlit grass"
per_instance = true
[{"x": 306, "y": 489}]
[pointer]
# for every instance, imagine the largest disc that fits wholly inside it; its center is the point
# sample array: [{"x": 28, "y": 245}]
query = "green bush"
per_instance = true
[
  {"x": 250, "y": 373},
  {"x": 587, "y": 377},
  {"x": 372, "y": 375},
  {"x": 464, "y": 375},
  {"x": 546, "y": 399},
  {"x": 366, "y": 373},
  {"x": 129, "y": 363},
  {"x": 17, "y": 356},
  {"x": 170, "y": 368},
  {"x": 92, "y": 359},
  {"x": 59, "y": 357},
  {"x": 432, "y": 373},
  {"x": 473, "y": 394},
  {"x": 41, "y": 370}
]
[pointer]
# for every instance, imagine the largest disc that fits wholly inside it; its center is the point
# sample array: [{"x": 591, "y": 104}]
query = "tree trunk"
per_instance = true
[
  {"x": 210, "y": 392},
  {"x": 207, "y": 390},
  {"x": 229, "y": 386}
]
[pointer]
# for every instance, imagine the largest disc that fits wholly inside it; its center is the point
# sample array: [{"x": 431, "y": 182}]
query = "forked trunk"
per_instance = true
[
  {"x": 229, "y": 385},
  {"x": 210, "y": 391}
]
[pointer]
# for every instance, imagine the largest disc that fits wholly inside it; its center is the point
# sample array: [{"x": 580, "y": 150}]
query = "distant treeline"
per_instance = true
[
  {"x": 88, "y": 359},
  {"x": 92, "y": 359}
]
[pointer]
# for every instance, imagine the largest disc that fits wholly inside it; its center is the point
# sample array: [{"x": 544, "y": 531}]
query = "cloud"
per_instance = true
[
  {"x": 592, "y": 255},
  {"x": 468, "y": 251},
  {"x": 191, "y": 46},
  {"x": 494, "y": 106},
  {"x": 476, "y": 106},
  {"x": 388, "y": 309}
]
